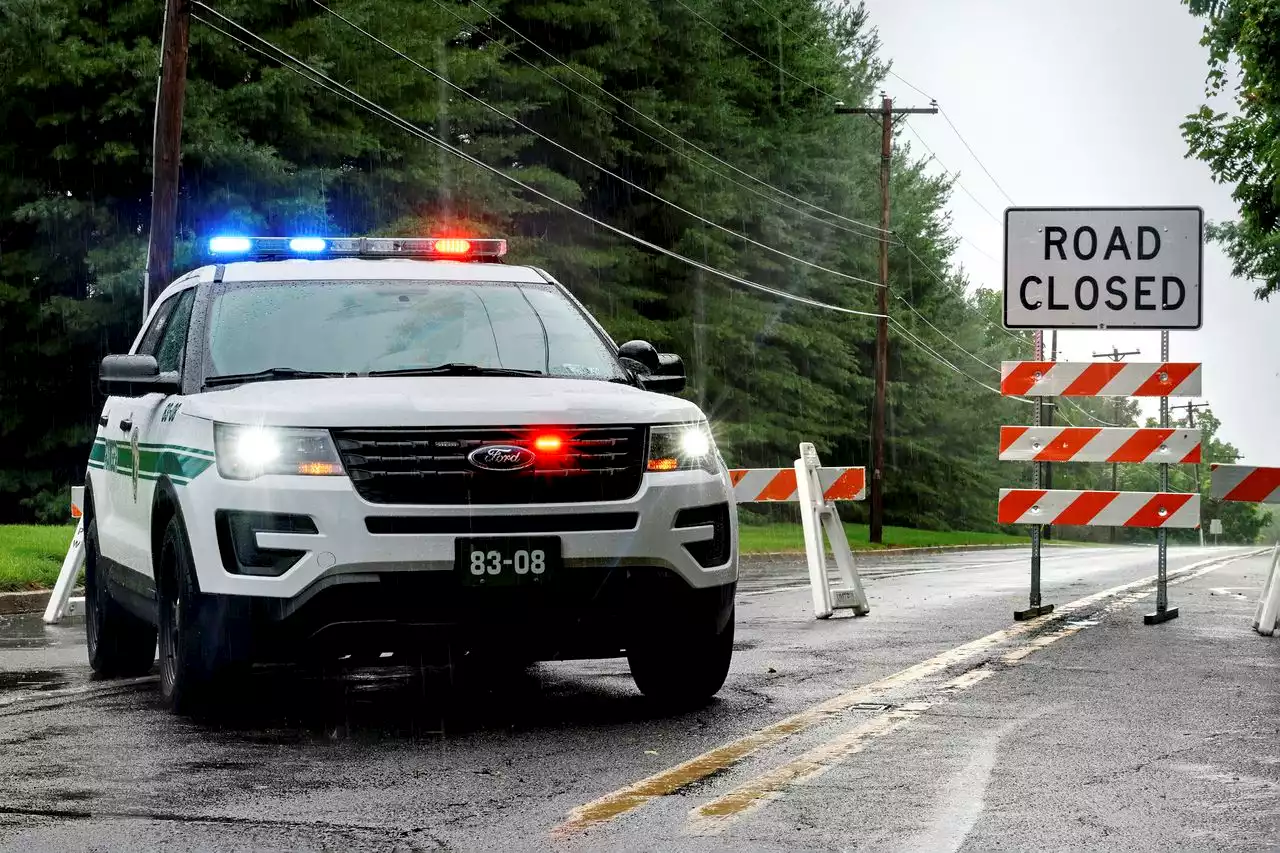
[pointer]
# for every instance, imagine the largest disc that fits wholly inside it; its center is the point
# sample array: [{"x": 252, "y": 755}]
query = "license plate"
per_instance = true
[{"x": 507, "y": 561}]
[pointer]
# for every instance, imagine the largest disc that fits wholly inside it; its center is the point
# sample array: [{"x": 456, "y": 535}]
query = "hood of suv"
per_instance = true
[{"x": 438, "y": 401}]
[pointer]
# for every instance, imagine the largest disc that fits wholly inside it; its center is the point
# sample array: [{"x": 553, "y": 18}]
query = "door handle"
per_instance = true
[{"x": 126, "y": 425}]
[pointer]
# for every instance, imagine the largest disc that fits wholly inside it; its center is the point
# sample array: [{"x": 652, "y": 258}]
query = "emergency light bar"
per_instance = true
[{"x": 280, "y": 248}]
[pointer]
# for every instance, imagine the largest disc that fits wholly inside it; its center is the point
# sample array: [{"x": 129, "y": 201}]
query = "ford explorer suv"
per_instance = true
[{"x": 328, "y": 449}]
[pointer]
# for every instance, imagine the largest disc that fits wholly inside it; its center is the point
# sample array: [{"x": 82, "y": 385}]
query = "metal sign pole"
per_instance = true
[
  {"x": 1035, "y": 608},
  {"x": 1163, "y": 612}
]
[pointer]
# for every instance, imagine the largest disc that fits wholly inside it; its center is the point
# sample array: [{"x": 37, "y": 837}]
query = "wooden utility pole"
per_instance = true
[
  {"x": 1191, "y": 422},
  {"x": 885, "y": 112},
  {"x": 1116, "y": 356},
  {"x": 167, "y": 148}
]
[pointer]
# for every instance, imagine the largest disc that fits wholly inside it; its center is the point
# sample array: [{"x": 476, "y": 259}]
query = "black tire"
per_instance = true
[
  {"x": 193, "y": 657},
  {"x": 684, "y": 670},
  {"x": 120, "y": 644}
]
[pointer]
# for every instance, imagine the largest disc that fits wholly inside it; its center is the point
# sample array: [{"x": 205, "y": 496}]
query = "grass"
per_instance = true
[
  {"x": 758, "y": 539},
  {"x": 30, "y": 555}
]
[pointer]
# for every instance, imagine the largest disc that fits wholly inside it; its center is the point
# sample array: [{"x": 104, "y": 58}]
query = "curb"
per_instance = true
[
  {"x": 766, "y": 558},
  {"x": 34, "y": 601}
]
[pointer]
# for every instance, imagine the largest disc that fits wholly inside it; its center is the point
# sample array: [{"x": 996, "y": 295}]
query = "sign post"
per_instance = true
[
  {"x": 1163, "y": 612},
  {"x": 1101, "y": 268},
  {"x": 1034, "y": 605}
]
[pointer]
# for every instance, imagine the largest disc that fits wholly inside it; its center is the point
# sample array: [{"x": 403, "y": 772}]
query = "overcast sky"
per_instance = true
[{"x": 1078, "y": 103}]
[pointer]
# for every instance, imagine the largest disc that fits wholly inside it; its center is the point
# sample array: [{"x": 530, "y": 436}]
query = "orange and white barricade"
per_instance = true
[
  {"x": 60, "y": 601},
  {"x": 816, "y": 489},
  {"x": 1099, "y": 509},
  {"x": 1099, "y": 379},
  {"x": 1099, "y": 444},
  {"x": 1254, "y": 484}
]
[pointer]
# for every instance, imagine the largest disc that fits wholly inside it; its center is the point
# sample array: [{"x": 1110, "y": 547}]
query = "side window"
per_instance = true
[
  {"x": 173, "y": 342},
  {"x": 151, "y": 339}
]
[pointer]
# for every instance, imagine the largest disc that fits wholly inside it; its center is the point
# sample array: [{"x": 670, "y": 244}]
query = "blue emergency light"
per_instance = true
[{"x": 283, "y": 248}]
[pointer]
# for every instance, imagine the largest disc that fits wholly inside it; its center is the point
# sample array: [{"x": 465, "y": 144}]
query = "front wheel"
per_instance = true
[
  {"x": 683, "y": 671},
  {"x": 193, "y": 638}
]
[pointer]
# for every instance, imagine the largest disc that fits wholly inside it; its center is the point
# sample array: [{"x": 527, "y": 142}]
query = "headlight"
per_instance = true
[
  {"x": 246, "y": 452},
  {"x": 683, "y": 447}
]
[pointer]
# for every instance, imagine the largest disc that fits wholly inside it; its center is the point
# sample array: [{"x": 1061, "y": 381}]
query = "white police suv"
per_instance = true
[{"x": 334, "y": 448}]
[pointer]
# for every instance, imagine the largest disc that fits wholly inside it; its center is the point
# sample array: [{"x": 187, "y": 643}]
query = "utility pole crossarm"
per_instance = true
[{"x": 875, "y": 111}]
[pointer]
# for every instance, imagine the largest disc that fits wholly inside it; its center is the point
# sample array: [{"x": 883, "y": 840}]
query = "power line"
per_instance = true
[
  {"x": 758, "y": 56},
  {"x": 679, "y": 153},
  {"x": 404, "y": 124},
  {"x": 944, "y": 361},
  {"x": 938, "y": 277},
  {"x": 586, "y": 160},
  {"x": 954, "y": 175},
  {"x": 1086, "y": 413},
  {"x": 908, "y": 83},
  {"x": 873, "y": 228},
  {"x": 979, "y": 249},
  {"x": 977, "y": 159},
  {"x": 945, "y": 336}
]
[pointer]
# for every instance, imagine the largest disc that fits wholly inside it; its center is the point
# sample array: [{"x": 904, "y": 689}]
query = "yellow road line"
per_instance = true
[
  {"x": 672, "y": 780},
  {"x": 714, "y": 816},
  {"x": 815, "y": 762}
]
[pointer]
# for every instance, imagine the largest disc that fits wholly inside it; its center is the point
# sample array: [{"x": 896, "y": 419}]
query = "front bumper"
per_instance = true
[{"x": 344, "y": 551}]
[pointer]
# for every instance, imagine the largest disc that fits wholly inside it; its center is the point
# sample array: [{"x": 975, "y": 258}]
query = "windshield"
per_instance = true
[{"x": 366, "y": 327}]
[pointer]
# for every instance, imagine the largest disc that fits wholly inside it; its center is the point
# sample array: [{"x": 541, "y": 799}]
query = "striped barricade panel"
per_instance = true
[
  {"x": 1098, "y": 444},
  {"x": 1249, "y": 483},
  {"x": 1099, "y": 379},
  {"x": 758, "y": 485},
  {"x": 1099, "y": 509}
]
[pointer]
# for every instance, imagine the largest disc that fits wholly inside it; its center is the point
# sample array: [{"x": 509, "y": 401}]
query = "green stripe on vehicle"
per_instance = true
[
  {"x": 179, "y": 464},
  {"x": 173, "y": 463},
  {"x": 177, "y": 448}
]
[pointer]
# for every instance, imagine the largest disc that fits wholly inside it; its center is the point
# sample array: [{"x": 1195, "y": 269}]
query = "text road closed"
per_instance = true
[{"x": 1136, "y": 268}]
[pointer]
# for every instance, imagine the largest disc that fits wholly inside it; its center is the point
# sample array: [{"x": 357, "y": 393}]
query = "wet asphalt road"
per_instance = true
[{"x": 1088, "y": 731}]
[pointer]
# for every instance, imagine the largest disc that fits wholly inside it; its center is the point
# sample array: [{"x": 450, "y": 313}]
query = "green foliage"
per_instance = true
[
  {"x": 267, "y": 151},
  {"x": 1241, "y": 146}
]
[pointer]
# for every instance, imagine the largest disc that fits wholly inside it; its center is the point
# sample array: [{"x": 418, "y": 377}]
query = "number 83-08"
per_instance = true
[{"x": 523, "y": 562}]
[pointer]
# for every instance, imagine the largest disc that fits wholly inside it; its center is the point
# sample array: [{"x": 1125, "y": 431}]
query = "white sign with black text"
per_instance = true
[{"x": 1103, "y": 267}]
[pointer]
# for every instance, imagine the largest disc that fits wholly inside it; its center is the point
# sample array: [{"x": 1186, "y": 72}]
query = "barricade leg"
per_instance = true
[
  {"x": 814, "y": 548},
  {"x": 1268, "y": 613},
  {"x": 71, "y": 564},
  {"x": 850, "y": 594}
]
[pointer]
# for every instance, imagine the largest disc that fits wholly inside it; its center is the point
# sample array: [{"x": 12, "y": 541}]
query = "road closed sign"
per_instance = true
[{"x": 1103, "y": 267}]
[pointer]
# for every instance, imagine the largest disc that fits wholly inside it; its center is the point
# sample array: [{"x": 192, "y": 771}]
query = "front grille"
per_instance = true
[
  {"x": 430, "y": 466},
  {"x": 578, "y": 522}
]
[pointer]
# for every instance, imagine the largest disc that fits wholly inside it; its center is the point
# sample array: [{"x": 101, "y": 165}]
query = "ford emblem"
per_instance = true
[{"x": 501, "y": 457}]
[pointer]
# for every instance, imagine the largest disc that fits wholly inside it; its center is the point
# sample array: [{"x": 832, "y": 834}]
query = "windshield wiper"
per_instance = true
[
  {"x": 269, "y": 374},
  {"x": 456, "y": 369}
]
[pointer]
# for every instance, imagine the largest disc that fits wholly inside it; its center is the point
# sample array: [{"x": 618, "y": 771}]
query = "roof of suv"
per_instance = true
[{"x": 340, "y": 269}]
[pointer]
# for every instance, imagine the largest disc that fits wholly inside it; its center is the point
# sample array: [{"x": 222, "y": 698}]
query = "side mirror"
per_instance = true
[
  {"x": 134, "y": 376},
  {"x": 642, "y": 353},
  {"x": 669, "y": 378}
]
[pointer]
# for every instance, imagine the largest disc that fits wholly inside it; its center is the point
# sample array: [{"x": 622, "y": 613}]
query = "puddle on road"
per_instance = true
[
  {"x": 28, "y": 631},
  {"x": 33, "y": 680}
]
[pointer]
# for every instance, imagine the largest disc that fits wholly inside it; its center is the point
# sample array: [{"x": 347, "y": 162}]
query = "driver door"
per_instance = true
[{"x": 138, "y": 419}]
